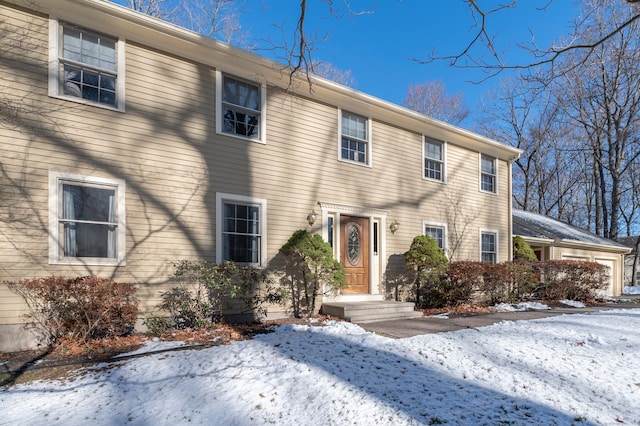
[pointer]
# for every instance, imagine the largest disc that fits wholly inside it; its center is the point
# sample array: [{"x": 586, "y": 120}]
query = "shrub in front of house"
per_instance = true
[
  {"x": 570, "y": 279},
  {"x": 207, "y": 289},
  {"x": 524, "y": 277},
  {"x": 508, "y": 282},
  {"x": 496, "y": 284},
  {"x": 83, "y": 308},
  {"x": 457, "y": 284},
  {"x": 309, "y": 271},
  {"x": 427, "y": 262}
]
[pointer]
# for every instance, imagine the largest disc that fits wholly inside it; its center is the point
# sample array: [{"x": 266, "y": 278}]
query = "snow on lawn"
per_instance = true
[
  {"x": 519, "y": 307},
  {"x": 572, "y": 369},
  {"x": 573, "y": 303}
]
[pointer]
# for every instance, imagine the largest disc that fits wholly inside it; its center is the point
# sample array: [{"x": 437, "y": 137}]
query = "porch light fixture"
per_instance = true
[
  {"x": 312, "y": 217},
  {"x": 394, "y": 226}
]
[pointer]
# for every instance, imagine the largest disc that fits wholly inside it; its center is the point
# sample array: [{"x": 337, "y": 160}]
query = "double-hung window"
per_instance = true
[
  {"x": 241, "y": 229},
  {"x": 86, "y": 220},
  {"x": 354, "y": 142},
  {"x": 433, "y": 159},
  {"x": 87, "y": 66},
  {"x": 436, "y": 232},
  {"x": 487, "y": 173},
  {"x": 489, "y": 246},
  {"x": 241, "y": 108}
]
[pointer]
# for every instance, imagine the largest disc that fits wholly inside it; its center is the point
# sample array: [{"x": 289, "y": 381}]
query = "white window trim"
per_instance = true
[
  {"x": 489, "y": 231},
  {"x": 369, "y": 162},
  {"x": 221, "y": 198},
  {"x": 445, "y": 233},
  {"x": 495, "y": 176},
  {"x": 55, "y": 31},
  {"x": 55, "y": 179},
  {"x": 263, "y": 108},
  {"x": 330, "y": 233},
  {"x": 444, "y": 160}
]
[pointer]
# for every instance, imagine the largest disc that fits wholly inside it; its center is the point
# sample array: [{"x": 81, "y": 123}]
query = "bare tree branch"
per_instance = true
[
  {"x": 432, "y": 100},
  {"x": 483, "y": 39}
]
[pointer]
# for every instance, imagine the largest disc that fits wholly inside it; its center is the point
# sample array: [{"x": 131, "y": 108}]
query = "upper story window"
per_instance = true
[
  {"x": 487, "y": 173},
  {"x": 240, "y": 108},
  {"x": 354, "y": 141},
  {"x": 433, "y": 159},
  {"x": 86, "y": 218},
  {"x": 86, "y": 66},
  {"x": 489, "y": 247},
  {"x": 241, "y": 225}
]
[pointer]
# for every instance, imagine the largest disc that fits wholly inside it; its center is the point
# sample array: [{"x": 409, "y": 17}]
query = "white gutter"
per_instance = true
[{"x": 594, "y": 246}]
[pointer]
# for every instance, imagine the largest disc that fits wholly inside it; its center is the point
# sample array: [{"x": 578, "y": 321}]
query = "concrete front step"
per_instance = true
[{"x": 370, "y": 311}]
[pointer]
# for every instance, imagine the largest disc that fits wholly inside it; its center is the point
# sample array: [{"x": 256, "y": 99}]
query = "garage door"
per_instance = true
[{"x": 610, "y": 289}]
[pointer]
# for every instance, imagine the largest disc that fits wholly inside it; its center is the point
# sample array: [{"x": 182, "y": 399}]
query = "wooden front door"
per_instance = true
[{"x": 354, "y": 242}]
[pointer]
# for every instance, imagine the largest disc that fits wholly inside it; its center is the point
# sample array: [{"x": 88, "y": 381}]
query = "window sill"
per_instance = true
[
  {"x": 442, "y": 182},
  {"x": 355, "y": 163},
  {"x": 89, "y": 261},
  {"x": 87, "y": 102},
  {"x": 244, "y": 138}
]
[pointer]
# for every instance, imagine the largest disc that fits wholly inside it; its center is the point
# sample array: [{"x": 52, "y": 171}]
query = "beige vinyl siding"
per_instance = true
[
  {"x": 164, "y": 146},
  {"x": 158, "y": 147},
  {"x": 13, "y": 308},
  {"x": 306, "y": 130}
]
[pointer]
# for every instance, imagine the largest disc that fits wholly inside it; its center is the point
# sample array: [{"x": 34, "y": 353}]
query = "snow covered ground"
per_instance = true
[{"x": 572, "y": 369}]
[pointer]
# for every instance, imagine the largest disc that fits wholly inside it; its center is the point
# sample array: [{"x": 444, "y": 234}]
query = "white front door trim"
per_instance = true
[{"x": 377, "y": 249}]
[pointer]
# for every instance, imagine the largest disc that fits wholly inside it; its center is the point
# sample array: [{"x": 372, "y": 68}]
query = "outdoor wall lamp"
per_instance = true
[
  {"x": 312, "y": 217},
  {"x": 394, "y": 226}
]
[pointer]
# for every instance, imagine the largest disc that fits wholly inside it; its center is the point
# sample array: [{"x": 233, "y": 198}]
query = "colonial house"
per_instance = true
[
  {"x": 551, "y": 239},
  {"x": 129, "y": 143}
]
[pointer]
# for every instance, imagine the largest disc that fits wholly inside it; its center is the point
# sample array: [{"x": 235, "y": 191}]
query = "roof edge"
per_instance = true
[{"x": 580, "y": 244}]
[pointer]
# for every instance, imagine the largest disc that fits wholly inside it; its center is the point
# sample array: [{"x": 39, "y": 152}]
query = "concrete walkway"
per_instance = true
[{"x": 427, "y": 325}]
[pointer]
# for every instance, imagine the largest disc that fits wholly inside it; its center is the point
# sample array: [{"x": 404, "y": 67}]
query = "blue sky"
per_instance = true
[{"x": 378, "y": 47}]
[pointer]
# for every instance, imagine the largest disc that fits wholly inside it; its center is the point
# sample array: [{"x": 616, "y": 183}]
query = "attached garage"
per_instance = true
[{"x": 551, "y": 239}]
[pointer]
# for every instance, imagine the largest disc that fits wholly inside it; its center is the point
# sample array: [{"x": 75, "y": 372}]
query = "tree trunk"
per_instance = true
[{"x": 634, "y": 271}]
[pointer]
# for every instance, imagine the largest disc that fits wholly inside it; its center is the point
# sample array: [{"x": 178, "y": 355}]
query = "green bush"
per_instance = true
[
  {"x": 312, "y": 270},
  {"x": 188, "y": 308},
  {"x": 522, "y": 251},
  {"x": 424, "y": 254},
  {"x": 206, "y": 289},
  {"x": 84, "y": 308},
  {"x": 428, "y": 262},
  {"x": 156, "y": 326}
]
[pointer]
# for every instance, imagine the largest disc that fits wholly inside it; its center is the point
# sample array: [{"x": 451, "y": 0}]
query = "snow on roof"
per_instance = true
[
  {"x": 535, "y": 225},
  {"x": 630, "y": 242}
]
